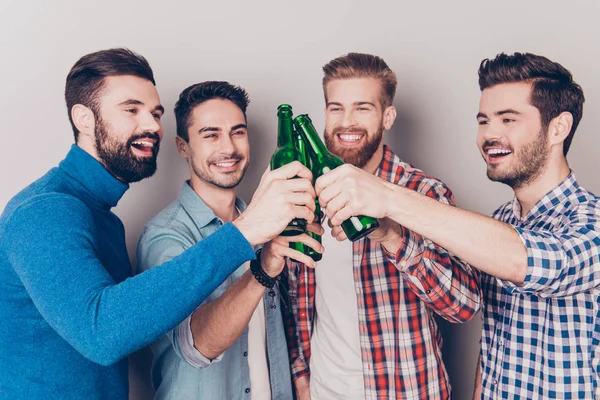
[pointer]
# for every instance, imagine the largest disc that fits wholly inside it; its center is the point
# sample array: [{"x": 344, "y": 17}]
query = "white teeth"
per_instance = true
[
  {"x": 143, "y": 143},
  {"x": 227, "y": 164},
  {"x": 494, "y": 152},
  {"x": 350, "y": 138}
]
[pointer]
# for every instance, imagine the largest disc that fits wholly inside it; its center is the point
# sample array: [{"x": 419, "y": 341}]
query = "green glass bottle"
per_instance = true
[
  {"x": 323, "y": 161},
  {"x": 286, "y": 153},
  {"x": 301, "y": 147}
]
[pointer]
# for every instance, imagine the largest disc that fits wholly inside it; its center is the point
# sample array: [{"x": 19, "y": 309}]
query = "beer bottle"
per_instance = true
[
  {"x": 301, "y": 147},
  {"x": 323, "y": 161},
  {"x": 286, "y": 153}
]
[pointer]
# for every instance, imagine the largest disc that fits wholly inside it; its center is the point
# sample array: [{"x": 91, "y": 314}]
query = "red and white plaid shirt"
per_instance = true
[{"x": 397, "y": 295}]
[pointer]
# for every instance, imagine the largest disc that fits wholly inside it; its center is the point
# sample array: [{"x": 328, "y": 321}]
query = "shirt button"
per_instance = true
[
  {"x": 501, "y": 343},
  {"x": 495, "y": 382},
  {"x": 219, "y": 222},
  {"x": 247, "y": 390},
  {"x": 403, "y": 263},
  {"x": 245, "y": 354}
]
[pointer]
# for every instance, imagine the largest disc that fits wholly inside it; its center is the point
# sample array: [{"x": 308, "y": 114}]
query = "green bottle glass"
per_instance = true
[
  {"x": 323, "y": 161},
  {"x": 286, "y": 153},
  {"x": 301, "y": 147}
]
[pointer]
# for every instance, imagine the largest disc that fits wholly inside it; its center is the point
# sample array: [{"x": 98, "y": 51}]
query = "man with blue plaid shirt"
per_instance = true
[{"x": 538, "y": 255}]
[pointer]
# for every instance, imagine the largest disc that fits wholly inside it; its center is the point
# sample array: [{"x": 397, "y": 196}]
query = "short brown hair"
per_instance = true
[
  {"x": 360, "y": 65},
  {"x": 197, "y": 94},
  {"x": 553, "y": 89},
  {"x": 86, "y": 79}
]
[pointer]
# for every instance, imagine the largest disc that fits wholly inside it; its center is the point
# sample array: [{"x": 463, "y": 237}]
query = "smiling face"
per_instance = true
[
  {"x": 218, "y": 150},
  {"x": 511, "y": 138},
  {"x": 128, "y": 128},
  {"x": 354, "y": 119}
]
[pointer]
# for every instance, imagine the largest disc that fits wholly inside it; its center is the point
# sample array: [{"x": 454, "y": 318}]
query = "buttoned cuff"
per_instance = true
[{"x": 410, "y": 251}]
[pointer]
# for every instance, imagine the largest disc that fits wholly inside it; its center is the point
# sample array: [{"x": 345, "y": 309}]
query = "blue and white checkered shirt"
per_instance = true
[{"x": 541, "y": 340}]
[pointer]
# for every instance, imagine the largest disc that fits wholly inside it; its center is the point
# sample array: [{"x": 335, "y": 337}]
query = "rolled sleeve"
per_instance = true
[
  {"x": 184, "y": 340},
  {"x": 559, "y": 263}
]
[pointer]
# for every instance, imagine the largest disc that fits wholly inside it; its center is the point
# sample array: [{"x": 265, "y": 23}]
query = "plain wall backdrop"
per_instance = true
[{"x": 275, "y": 50}]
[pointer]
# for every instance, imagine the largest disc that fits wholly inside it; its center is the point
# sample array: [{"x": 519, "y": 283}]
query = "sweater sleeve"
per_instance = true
[
  {"x": 52, "y": 252},
  {"x": 156, "y": 247}
]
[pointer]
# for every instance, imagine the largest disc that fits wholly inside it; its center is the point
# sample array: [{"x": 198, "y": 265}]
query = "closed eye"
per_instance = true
[
  {"x": 507, "y": 120},
  {"x": 131, "y": 110},
  {"x": 483, "y": 122}
]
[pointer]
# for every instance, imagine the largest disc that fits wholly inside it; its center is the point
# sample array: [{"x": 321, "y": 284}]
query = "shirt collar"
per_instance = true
[
  {"x": 550, "y": 200},
  {"x": 201, "y": 213},
  {"x": 386, "y": 164},
  {"x": 98, "y": 183}
]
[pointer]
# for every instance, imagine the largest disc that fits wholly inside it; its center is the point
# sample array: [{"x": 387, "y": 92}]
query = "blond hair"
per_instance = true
[{"x": 360, "y": 65}]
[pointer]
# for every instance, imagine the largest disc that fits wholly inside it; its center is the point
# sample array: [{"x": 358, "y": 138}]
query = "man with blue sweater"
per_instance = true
[{"x": 70, "y": 310}]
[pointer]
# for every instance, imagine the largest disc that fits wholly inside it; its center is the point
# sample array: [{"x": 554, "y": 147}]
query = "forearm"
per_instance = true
[
  {"x": 103, "y": 320},
  {"x": 477, "y": 388},
  {"x": 302, "y": 385},
  {"x": 218, "y": 324},
  {"x": 483, "y": 242}
]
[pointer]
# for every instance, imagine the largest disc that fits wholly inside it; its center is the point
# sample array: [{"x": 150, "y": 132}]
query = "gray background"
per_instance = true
[{"x": 275, "y": 50}]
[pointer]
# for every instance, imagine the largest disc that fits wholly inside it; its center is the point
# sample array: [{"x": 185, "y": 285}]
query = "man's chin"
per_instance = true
[
  {"x": 226, "y": 182},
  {"x": 356, "y": 157}
]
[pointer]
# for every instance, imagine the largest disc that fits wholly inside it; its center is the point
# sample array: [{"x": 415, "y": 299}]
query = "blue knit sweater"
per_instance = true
[{"x": 70, "y": 312}]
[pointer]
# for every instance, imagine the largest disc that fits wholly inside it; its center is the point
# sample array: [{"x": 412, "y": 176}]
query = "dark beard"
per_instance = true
[
  {"x": 358, "y": 158},
  {"x": 531, "y": 161},
  {"x": 118, "y": 158}
]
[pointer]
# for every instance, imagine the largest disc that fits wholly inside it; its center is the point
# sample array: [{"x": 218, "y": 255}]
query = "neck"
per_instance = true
[
  {"x": 220, "y": 200},
  {"x": 373, "y": 163},
  {"x": 86, "y": 143},
  {"x": 555, "y": 173}
]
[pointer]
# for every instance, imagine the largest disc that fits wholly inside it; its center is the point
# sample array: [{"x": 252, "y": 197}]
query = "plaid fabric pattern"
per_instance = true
[
  {"x": 540, "y": 340},
  {"x": 398, "y": 295}
]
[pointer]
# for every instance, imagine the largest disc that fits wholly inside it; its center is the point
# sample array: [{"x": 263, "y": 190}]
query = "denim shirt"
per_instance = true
[{"x": 183, "y": 223}]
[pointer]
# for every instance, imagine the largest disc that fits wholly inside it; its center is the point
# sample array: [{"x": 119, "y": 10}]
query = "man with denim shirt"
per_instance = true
[
  {"x": 233, "y": 346},
  {"x": 539, "y": 254}
]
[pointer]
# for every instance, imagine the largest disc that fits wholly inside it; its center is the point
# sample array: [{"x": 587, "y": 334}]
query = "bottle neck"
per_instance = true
[{"x": 285, "y": 132}]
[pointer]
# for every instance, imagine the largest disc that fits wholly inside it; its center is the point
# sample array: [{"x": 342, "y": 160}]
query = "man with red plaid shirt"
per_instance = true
[{"x": 362, "y": 323}]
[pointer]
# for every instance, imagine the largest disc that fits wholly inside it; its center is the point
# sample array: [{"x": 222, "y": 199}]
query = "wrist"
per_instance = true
[
  {"x": 246, "y": 230},
  {"x": 394, "y": 199},
  {"x": 260, "y": 274}
]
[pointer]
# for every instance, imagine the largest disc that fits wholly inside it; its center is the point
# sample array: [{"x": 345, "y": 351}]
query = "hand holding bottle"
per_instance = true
[
  {"x": 277, "y": 201},
  {"x": 347, "y": 191}
]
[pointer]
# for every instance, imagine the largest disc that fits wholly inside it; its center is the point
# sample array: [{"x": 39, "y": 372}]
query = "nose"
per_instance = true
[
  {"x": 150, "y": 124},
  {"x": 348, "y": 120},
  {"x": 492, "y": 130},
  {"x": 226, "y": 145}
]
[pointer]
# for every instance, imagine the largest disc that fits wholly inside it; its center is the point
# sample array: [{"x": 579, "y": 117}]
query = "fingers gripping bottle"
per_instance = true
[{"x": 323, "y": 161}]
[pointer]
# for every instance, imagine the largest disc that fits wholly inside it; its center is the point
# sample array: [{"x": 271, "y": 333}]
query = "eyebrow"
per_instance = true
[
  {"x": 356, "y": 103},
  {"x": 134, "y": 102},
  {"x": 507, "y": 111},
  {"x": 499, "y": 113},
  {"x": 217, "y": 129}
]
